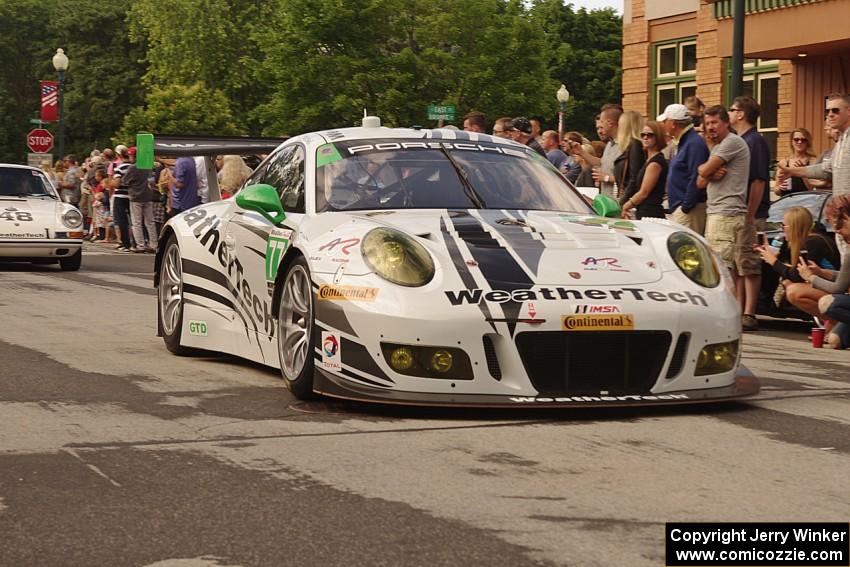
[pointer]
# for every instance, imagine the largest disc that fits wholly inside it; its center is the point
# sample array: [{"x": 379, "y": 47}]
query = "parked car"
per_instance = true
[
  {"x": 815, "y": 202},
  {"x": 35, "y": 225},
  {"x": 439, "y": 267}
]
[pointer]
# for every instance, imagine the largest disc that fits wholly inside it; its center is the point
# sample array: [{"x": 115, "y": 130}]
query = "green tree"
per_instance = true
[
  {"x": 329, "y": 60},
  {"x": 206, "y": 41},
  {"x": 179, "y": 109},
  {"x": 584, "y": 51}
]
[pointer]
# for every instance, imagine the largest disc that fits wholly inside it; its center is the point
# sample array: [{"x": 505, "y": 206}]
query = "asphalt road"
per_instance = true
[{"x": 114, "y": 452}]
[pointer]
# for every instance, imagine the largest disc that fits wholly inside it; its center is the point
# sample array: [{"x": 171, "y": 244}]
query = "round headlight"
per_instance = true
[
  {"x": 693, "y": 258},
  {"x": 72, "y": 218},
  {"x": 397, "y": 257}
]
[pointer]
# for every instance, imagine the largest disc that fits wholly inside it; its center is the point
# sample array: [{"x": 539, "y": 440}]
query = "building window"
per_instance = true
[
  {"x": 673, "y": 72},
  {"x": 761, "y": 81}
]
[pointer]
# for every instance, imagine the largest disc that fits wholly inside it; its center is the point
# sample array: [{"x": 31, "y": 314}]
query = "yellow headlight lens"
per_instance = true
[
  {"x": 441, "y": 361},
  {"x": 402, "y": 359},
  {"x": 693, "y": 258},
  {"x": 397, "y": 257},
  {"x": 717, "y": 358}
]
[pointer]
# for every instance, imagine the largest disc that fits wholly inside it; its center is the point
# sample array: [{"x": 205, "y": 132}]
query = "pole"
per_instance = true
[
  {"x": 738, "y": 50},
  {"x": 61, "y": 118},
  {"x": 561, "y": 123}
]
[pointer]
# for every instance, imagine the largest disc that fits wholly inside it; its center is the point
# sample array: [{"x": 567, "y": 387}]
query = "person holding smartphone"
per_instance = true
[{"x": 800, "y": 237}]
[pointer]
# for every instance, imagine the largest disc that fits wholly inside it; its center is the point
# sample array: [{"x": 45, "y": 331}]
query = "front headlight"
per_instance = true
[
  {"x": 72, "y": 218},
  {"x": 396, "y": 257},
  {"x": 693, "y": 258},
  {"x": 717, "y": 358}
]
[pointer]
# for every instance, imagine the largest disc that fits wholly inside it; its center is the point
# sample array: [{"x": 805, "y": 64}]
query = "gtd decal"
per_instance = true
[
  {"x": 330, "y": 351},
  {"x": 345, "y": 245},
  {"x": 198, "y": 328}
]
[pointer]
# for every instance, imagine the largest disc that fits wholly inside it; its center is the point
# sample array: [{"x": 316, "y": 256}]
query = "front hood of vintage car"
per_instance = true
[
  {"x": 524, "y": 248},
  {"x": 30, "y": 215}
]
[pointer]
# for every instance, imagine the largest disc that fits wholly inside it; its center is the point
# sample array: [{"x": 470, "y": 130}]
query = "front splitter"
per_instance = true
[{"x": 330, "y": 385}]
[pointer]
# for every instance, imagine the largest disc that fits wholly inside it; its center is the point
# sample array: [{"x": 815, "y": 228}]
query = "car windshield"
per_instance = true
[
  {"x": 21, "y": 182},
  {"x": 814, "y": 202},
  {"x": 438, "y": 174}
]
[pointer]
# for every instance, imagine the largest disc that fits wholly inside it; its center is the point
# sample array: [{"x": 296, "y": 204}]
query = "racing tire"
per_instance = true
[
  {"x": 71, "y": 263},
  {"x": 170, "y": 299},
  {"x": 295, "y": 328}
]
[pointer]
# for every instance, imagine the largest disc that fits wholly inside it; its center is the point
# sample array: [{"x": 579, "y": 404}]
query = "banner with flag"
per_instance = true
[{"x": 49, "y": 101}]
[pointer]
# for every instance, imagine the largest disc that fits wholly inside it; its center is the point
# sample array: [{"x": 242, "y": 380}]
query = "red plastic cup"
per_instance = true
[{"x": 817, "y": 336}]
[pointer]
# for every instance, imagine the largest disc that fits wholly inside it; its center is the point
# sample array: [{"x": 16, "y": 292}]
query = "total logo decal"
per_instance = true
[
  {"x": 603, "y": 264},
  {"x": 331, "y": 352},
  {"x": 475, "y": 296},
  {"x": 206, "y": 232}
]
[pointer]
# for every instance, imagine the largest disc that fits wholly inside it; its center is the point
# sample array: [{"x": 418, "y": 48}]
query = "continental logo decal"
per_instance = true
[
  {"x": 598, "y": 322},
  {"x": 347, "y": 293}
]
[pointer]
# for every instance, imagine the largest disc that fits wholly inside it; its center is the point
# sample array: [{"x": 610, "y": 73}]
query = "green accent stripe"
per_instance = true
[{"x": 327, "y": 154}]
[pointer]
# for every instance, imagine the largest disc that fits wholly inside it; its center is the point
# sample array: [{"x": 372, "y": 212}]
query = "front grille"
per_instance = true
[{"x": 589, "y": 362}]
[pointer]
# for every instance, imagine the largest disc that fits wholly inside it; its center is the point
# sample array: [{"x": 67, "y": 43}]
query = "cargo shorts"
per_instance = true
[{"x": 733, "y": 238}]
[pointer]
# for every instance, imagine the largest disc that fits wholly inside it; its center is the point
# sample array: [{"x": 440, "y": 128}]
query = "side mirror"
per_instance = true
[
  {"x": 263, "y": 199},
  {"x": 606, "y": 206}
]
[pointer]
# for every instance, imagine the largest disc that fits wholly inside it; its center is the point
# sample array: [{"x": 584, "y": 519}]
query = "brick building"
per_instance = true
[{"x": 797, "y": 51}]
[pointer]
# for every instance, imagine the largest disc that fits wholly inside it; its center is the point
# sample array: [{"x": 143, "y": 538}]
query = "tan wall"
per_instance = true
[{"x": 656, "y": 9}]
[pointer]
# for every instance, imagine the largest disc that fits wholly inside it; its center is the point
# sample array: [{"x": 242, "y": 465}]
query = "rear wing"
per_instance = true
[{"x": 165, "y": 145}]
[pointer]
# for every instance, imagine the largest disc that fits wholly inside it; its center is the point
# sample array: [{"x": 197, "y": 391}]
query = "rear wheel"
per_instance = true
[
  {"x": 72, "y": 263},
  {"x": 295, "y": 330},
  {"x": 170, "y": 298}
]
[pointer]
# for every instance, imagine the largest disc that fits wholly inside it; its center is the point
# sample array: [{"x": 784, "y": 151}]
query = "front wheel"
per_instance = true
[
  {"x": 170, "y": 298},
  {"x": 295, "y": 330},
  {"x": 72, "y": 263}
]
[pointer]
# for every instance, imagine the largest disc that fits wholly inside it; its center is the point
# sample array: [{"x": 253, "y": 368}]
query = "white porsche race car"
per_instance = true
[
  {"x": 35, "y": 225},
  {"x": 438, "y": 267}
]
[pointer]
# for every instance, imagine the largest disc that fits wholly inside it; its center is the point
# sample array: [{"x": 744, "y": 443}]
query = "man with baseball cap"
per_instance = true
[
  {"x": 138, "y": 184},
  {"x": 685, "y": 200},
  {"x": 522, "y": 133}
]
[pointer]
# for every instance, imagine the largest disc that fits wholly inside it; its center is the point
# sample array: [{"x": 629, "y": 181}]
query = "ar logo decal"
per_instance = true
[{"x": 276, "y": 247}]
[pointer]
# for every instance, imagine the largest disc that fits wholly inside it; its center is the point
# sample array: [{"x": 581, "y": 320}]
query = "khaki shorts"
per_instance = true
[
  {"x": 729, "y": 237},
  {"x": 693, "y": 219},
  {"x": 750, "y": 264}
]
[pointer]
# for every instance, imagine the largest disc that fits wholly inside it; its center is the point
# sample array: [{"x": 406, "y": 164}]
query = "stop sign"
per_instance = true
[{"x": 40, "y": 141}]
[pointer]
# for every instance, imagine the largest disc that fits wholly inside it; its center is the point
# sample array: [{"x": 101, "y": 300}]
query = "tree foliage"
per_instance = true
[{"x": 287, "y": 66}]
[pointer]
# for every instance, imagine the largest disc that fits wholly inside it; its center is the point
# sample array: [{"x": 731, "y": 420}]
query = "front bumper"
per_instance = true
[
  {"x": 41, "y": 248},
  {"x": 325, "y": 383}
]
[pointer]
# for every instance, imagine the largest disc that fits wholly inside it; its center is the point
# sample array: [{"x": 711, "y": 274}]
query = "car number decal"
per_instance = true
[
  {"x": 276, "y": 247},
  {"x": 22, "y": 216}
]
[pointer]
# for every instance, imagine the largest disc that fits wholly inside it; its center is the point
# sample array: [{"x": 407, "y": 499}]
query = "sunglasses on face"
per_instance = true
[
  {"x": 647, "y": 135},
  {"x": 799, "y": 140},
  {"x": 832, "y": 111}
]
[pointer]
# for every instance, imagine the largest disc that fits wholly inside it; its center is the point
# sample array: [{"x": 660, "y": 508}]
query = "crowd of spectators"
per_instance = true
[
  {"x": 709, "y": 170},
  {"x": 124, "y": 206}
]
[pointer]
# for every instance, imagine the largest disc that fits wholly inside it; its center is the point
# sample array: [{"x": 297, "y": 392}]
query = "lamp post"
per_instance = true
[
  {"x": 563, "y": 96},
  {"x": 60, "y": 63}
]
